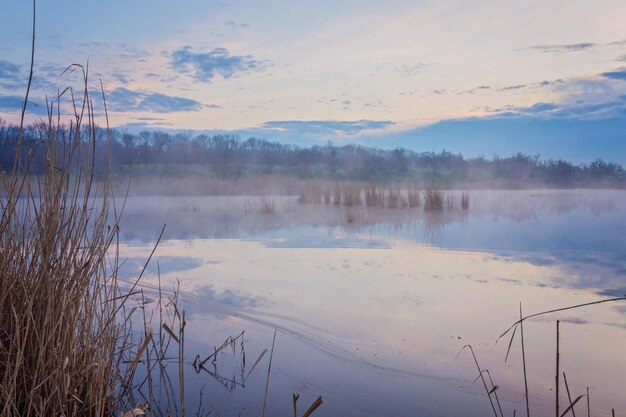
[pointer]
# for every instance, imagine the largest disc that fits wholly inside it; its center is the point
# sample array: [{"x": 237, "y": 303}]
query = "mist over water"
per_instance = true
[{"x": 372, "y": 313}]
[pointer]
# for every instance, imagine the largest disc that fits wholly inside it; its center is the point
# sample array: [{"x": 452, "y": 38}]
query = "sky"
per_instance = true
[{"x": 479, "y": 77}]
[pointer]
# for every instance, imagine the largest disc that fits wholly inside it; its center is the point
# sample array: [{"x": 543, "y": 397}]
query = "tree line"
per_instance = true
[{"x": 230, "y": 157}]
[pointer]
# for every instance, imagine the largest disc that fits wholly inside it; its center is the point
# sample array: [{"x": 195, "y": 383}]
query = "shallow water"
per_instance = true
[{"x": 371, "y": 315}]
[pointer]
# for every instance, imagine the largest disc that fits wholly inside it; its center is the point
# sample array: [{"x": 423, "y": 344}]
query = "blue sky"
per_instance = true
[{"x": 480, "y": 77}]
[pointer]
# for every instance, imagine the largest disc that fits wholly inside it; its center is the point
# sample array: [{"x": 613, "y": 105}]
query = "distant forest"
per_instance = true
[{"x": 229, "y": 157}]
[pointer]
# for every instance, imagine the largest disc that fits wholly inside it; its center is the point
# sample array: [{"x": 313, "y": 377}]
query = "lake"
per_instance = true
[{"x": 372, "y": 313}]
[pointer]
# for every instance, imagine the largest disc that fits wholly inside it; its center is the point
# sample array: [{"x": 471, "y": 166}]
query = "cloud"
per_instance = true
[
  {"x": 326, "y": 127},
  {"x": 512, "y": 87},
  {"x": 10, "y": 75},
  {"x": 406, "y": 70},
  {"x": 618, "y": 74},
  {"x": 618, "y": 43},
  {"x": 547, "y": 83},
  {"x": 540, "y": 108},
  {"x": 12, "y": 104},
  {"x": 8, "y": 69},
  {"x": 234, "y": 25},
  {"x": 120, "y": 76},
  {"x": 614, "y": 108},
  {"x": 543, "y": 109},
  {"x": 146, "y": 125},
  {"x": 122, "y": 99},
  {"x": 560, "y": 49},
  {"x": 617, "y": 292},
  {"x": 234, "y": 298},
  {"x": 474, "y": 90},
  {"x": 204, "y": 66}
]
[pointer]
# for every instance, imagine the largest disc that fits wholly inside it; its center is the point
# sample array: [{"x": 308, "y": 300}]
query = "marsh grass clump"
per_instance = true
[
  {"x": 326, "y": 196},
  {"x": 249, "y": 206},
  {"x": 351, "y": 195},
  {"x": 267, "y": 205},
  {"x": 351, "y": 216},
  {"x": 310, "y": 194},
  {"x": 59, "y": 296},
  {"x": 395, "y": 198},
  {"x": 413, "y": 196},
  {"x": 337, "y": 195},
  {"x": 449, "y": 202},
  {"x": 433, "y": 198},
  {"x": 187, "y": 206},
  {"x": 302, "y": 197},
  {"x": 465, "y": 200},
  {"x": 374, "y": 196},
  {"x": 289, "y": 206}
]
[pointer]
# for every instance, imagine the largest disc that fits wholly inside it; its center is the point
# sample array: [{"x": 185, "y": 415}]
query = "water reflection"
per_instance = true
[{"x": 372, "y": 315}]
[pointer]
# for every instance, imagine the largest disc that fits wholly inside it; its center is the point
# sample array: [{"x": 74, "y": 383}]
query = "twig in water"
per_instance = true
[
  {"x": 313, "y": 407},
  {"x": 480, "y": 373},
  {"x": 269, "y": 369},
  {"x": 521, "y": 330},
  {"x": 295, "y": 400},
  {"x": 556, "y": 376},
  {"x": 569, "y": 397},
  {"x": 571, "y": 405}
]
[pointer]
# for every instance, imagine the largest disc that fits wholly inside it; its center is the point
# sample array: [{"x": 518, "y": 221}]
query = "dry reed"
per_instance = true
[
  {"x": 374, "y": 196},
  {"x": 267, "y": 205},
  {"x": 413, "y": 196},
  {"x": 59, "y": 295},
  {"x": 465, "y": 200},
  {"x": 433, "y": 198}
]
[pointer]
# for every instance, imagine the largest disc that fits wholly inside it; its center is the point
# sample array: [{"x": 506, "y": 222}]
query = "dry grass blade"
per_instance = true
[
  {"x": 169, "y": 331},
  {"x": 313, "y": 407},
  {"x": 295, "y": 397},
  {"x": 255, "y": 364},
  {"x": 571, "y": 406},
  {"x": 521, "y": 331},
  {"x": 556, "y": 310},
  {"x": 494, "y": 390},
  {"x": 140, "y": 352},
  {"x": 508, "y": 349},
  {"x": 480, "y": 374},
  {"x": 30, "y": 75},
  {"x": 569, "y": 396},
  {"x": 269, "y": 369}
]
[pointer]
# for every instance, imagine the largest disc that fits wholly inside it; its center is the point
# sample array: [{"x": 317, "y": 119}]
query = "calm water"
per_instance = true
[{"x": 371, "y": 315}]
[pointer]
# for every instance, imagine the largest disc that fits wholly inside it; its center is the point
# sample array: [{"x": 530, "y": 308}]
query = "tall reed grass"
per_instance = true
[
  {"x": 433, "y": 198},
  {"x": 60, "y": 301}
]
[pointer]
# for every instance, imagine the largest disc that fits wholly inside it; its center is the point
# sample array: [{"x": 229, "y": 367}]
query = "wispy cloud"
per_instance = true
[
  {"x": 547, "y": 83},
  {"x": 122, "y": 99},
  {"x": 12, "y": 104},
  {"x": 536, "y": 109},
  {"x": 475, "y": 90},
  {"x": 234, "y": 25},
  {"x": 512, "y": 87},
  {"x": 10, "y": 75},
  {"x": 560, "y": 49},
  {"x": 609, "y": 109},
  {"x": 204, "y": 66},
  {"x": 406, "y": 70},
  {"x": 618, "y": 74},
  {"x": 327, "y": 127}
]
